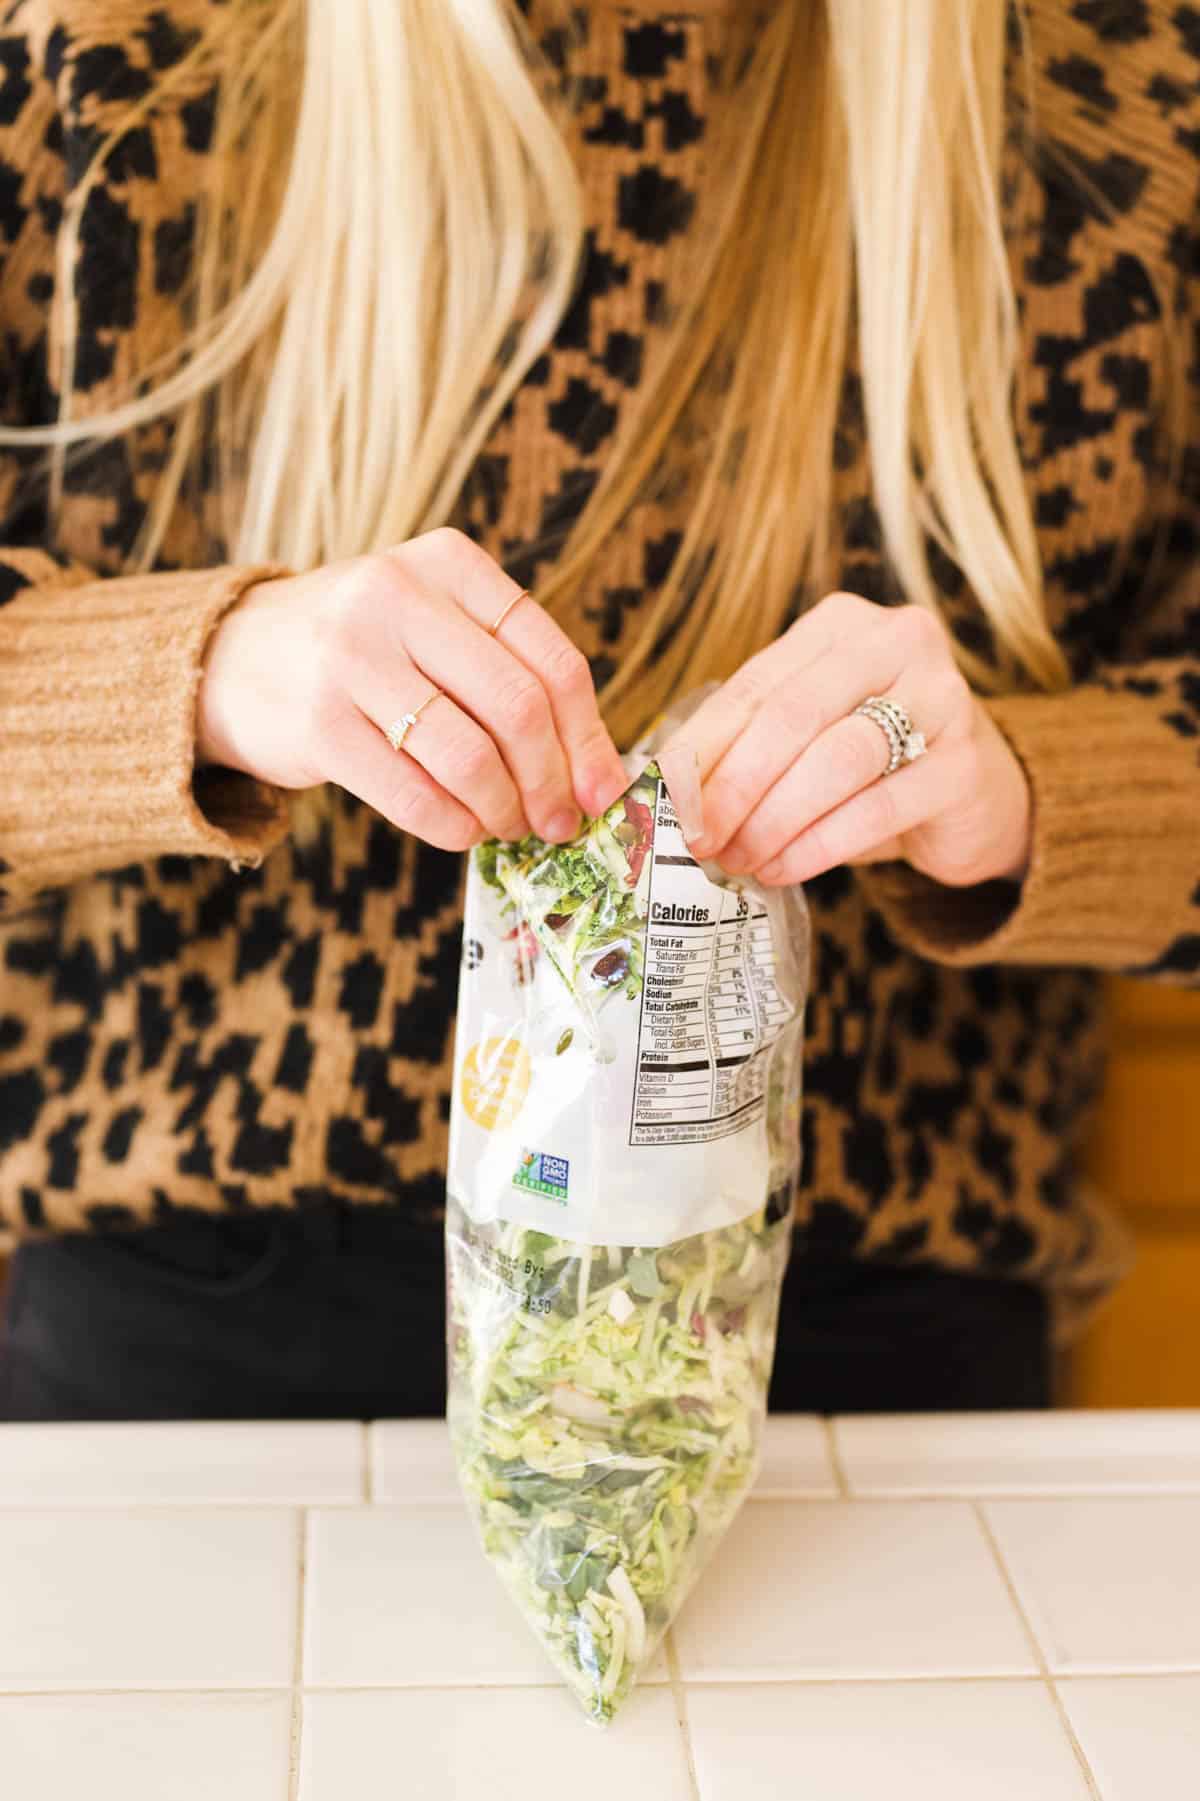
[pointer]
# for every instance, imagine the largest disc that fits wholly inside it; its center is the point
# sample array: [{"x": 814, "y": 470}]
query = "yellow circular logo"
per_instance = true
[{"x": 495, "y": 1081}]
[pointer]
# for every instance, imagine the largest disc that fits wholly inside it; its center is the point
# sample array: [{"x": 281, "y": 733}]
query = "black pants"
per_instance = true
[{"x": 341, "y": 1314}]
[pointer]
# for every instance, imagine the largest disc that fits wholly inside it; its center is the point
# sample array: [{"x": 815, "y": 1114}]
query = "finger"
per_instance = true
[
  {"x": 507, "y": 700},
  {"x": 900, "y": 653},
  {"x": 851, "y": 755},
  {"x": 360, "y": 760},
  {"x": 597, "y": 773},
  {"x": 791, "y": 717},
  {"x": 485, "y": 593},
  {"x": 715, "y": 725},
  {"x": 451, "y": 746},
  {"x": 718, "y": 721},
  {"x": 854, "y": 752},
  {"x": 873, "y": 818},
  {"x": 497, "y": 691}
]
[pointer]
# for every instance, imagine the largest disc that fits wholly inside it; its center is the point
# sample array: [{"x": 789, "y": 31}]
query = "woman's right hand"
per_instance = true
[{"x": 306, "y": 673}]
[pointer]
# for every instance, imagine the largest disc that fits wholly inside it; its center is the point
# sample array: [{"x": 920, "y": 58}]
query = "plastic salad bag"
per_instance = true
[{"x": 623, "y": 1155}]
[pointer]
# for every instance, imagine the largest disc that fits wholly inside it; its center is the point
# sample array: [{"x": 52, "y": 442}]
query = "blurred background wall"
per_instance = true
[{"x": 1144, "y": 1349}]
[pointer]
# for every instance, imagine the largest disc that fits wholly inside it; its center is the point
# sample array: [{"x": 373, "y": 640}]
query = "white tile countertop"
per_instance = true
[{"x": 949, "y": 1608}]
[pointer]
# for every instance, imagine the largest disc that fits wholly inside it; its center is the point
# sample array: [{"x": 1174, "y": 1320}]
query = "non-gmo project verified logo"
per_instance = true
[{"x": 540, "y": 1173}]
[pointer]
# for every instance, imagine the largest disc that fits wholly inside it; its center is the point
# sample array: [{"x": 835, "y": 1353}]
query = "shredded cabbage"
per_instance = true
[
  {"x": 606, "y": 1451},
  {"x": 606, "y": 1401}
]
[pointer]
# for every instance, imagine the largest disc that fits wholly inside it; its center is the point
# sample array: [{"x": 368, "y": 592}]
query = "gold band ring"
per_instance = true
[
  {"x": 399, "y": 729},
  {"x": 505, "y": 610}
]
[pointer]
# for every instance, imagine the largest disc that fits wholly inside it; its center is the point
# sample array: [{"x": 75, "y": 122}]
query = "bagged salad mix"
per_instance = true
[{"x": 624, "y": 1149}]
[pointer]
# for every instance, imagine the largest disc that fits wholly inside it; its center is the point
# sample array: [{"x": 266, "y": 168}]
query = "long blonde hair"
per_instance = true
[{"x": 368, "y": 300}]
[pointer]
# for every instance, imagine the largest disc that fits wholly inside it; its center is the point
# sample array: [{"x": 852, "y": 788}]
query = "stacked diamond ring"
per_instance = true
[{"x": 905, "y": 743}]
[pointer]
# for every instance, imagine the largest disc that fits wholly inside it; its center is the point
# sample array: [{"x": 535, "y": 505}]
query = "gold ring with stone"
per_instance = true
[{"x": 399, "y": 729}]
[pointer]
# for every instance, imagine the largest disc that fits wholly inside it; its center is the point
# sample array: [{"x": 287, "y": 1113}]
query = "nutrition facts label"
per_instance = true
[{"x": 710, "y": 1005}]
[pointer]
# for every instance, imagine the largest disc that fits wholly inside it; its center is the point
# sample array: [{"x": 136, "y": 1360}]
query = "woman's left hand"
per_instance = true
[{"x": 791, "y": 775}]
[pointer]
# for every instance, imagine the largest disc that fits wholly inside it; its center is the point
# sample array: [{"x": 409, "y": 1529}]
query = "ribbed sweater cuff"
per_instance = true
[
  {"x": 99, "y": 685},
  {"x": 1115, "y": 837}
]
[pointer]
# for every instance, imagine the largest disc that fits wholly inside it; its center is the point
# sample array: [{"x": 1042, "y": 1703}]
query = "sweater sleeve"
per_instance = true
[
  {"x": 98, "y": 683},
  {"x": 1114, "y": 876},
  {"x": 1113, "y": 764},
  {"x": 98, "y": 674}
]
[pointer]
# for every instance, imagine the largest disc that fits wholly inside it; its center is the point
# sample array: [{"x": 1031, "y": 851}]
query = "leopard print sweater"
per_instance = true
[{"x": 199, "y": 1012}]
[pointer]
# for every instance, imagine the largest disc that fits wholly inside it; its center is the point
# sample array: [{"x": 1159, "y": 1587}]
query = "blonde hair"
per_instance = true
[{"x": 365, "y": 304}]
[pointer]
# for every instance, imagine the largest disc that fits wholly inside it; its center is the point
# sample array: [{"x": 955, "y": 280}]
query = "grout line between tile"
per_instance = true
[
  {"x": 769, "y": 1497},
  {"x": 296, "y": 1730},
  {"x": 855, "y": 1679},
  {"x": 99, "y": 1692},
  {"x": 368, "y": 1469},
  {"x": 834, "y": 1452},
  {"x": 10, "y": 1690},
  {"x": 679, "y": 1696},
  {"x": 1146, "y": 1491},
  {"x": 1064, "y": 1720},
  {"x": 732, "y": 1679},
  {"x": 835, "y": 1457},
  {"x": 1056, "y": 1701},
  {"x": 466, "y": 1686},
  {"x": 256, "y": 1690},
  {"x": 132, "y": 1504},
  {"x": 877, "y": 1497}
]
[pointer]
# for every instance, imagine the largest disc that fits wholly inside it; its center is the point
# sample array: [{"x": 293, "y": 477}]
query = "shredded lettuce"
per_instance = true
[
  {"x": 606, "y": 1402},
  {"x": 605, "y": 1447}
]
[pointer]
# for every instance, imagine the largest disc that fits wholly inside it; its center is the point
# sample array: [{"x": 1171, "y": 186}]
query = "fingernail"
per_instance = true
[
  {"x": 770, "y": 872},
  {"x": 562, "y": 826}
]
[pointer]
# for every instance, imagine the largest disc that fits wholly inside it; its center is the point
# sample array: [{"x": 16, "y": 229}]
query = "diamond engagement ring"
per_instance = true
[
  {"x": 399, "y": 729},
  {"x": 905, "y": 743}
]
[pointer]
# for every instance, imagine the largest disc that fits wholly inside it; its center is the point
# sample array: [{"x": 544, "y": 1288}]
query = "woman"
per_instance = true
[{"x": 832, "y": 352}]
